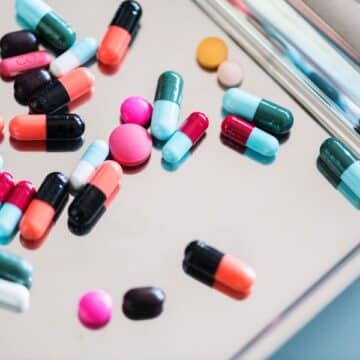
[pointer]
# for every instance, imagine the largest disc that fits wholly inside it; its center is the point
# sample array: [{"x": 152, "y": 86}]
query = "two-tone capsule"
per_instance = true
[
  {"x": 94, "y": 156},
  {"x": 218, "y": 270},
  {"x": 185, "y": 138},
  {"x": 79, "y": 54},
  {"x": 60, "y": 92},
  {"x": 18, "y": 42},
  {"x": 94, "y": 198},
  {"x": 167, "y": 102},
  {"x": 342, "y": 162},
  {"x": 123, "y": 26},
  {"x": 45, "y": 207},
  {"x": 13, "y": 209},
  {"x": 46, "y": 127},
  {"x": 7, "y": 184},
  {"x": 41, "y": 18},
  {"x": 246, "y": 134},
  {"x": 264, "y": 114},
  {"x": 14, "y": 297}
]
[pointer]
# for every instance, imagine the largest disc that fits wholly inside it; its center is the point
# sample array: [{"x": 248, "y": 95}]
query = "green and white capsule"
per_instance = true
[
  {"x": 167, "y": 102},
  {"x": 262, "y": 113},
  {"x": 342, "y": 162}
]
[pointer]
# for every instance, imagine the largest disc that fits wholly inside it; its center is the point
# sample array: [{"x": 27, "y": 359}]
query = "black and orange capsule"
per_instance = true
[{"x": 218, "y": 270}]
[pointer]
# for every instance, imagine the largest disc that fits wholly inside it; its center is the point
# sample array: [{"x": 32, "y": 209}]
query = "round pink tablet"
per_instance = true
[
  {"x": 95, "y": 309},
  {"x": 130, "y": 144},
  {"x": 136, "y": 110}
]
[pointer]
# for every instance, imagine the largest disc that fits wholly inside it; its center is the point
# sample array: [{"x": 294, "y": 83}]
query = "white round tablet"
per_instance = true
[{"x": 230, "y": 74}]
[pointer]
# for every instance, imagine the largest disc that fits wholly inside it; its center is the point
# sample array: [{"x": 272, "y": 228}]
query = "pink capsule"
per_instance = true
[{"x": 6, "y": 185}]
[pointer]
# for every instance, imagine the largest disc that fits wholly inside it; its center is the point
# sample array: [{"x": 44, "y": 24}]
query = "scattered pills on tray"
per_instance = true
[
  {"x": 230, "y": 74},
  {"x": 136, "y": 110},
  {"x": 211, "y": 52},
  {"x": 143, "y": 303},
  {"x": 17, "y": 43}
]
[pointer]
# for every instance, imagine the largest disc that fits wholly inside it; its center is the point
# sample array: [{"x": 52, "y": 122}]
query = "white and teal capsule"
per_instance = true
[
  {"x": 262, "y": 113},
  {"x": 94, "y": 156},
  {"x": 13, "y": 296},
  {"x": 167, "y": 103},
  {"x": 79, "y": 54}
]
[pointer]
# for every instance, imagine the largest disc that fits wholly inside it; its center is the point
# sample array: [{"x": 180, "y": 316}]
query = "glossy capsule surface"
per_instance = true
[
  {"x": 167, "y": 103},
  {"x": 218, "y": 270},
  {"x": 262, "y": 113},
  {"x": 41, "y": 18},
  {"x": 342, "y": 162},
  {"x": 93, "y": 199},
  {"x": 14, "y": 297},
  {"x": 94, "y": 156},
  {"x": 13, "y": 209},
  {"x": 60, "y": 92},
  {"x": 17, "y": 43},
  {"x": 185, "y": 138},
  {"x": 7, "y": 183},
  {"x": 79, "y": 54},
  {"x": 246, "y": 134},
  {"x": 46, "y": 127},
  {"x": 116, "y": 41},
  {"x": 44, "y": 207},
  {"x": 15, "y": 268}
]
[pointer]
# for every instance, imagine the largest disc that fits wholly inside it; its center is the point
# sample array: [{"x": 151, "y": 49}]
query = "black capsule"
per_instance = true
[
  {"x": 27, "y": 84},
  {"x": 143, "y": 303},
  {"x": 18, "y": 43},
  {"x": 127, "y": 16}
]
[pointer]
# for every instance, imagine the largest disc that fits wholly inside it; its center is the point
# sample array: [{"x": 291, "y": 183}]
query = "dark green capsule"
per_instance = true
[{"x": 170, "y": 87}]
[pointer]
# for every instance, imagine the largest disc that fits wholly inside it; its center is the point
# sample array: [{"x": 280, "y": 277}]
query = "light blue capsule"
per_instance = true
[
  {"x": 238, "y": 102},
  {"x": 10, "y": 216},
  {"x": 351, "y": 177},
  {"x": 165, "y": 119},
  {"x": 263, "y": 143},
  {"x": 176, "y": 148}
]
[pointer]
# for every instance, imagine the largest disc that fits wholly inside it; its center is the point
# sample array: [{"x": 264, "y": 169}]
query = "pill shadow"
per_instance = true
[
  {"x": 47, "y": 146},
  {"x": 2, "y": 138},
  {"x": 74, "y": 105}
]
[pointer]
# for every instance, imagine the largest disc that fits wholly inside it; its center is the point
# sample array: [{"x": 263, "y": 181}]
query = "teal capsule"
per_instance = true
[
  {"x": 262, "y": 113},
  {"x": 342, "y": 162},
  {"x": 15, "y": 268},
  {"x": 41, "y": 18},
  {"x": 167, "y": 103}
]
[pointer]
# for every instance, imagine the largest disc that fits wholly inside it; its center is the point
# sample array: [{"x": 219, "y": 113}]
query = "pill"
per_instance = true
[
  {"x": 136, "y": 110},
  {"x": 94, "y": 156},
  {"x": 60, "y": 92},
  {"x": 44, "y": 207},
  {"x": 41, "y": 18},
  {"x": 246, "y": 134},
  {"x": 95, "y": 309},
  {"x": 6, "y": 185},
  {"x": 185, "y": 138},
  {"x": 2, "y": 125},
  {"x": 17, "y": 43},
  {"x": 25, "y": 85},
  {"x": 230, "y": 74},
  {"x": 342, "y": 162},
  {"x": 79, "y": 54},
  {"x": 143, "y": 303},
  {"x": 13, "y": 209},
  {"x": 218, "y": 270},
  {"x": 119, "y": 34},
  {"x": 46, "y": 127},
  {"x": 263, "y": 113},
  {"x": 16, "y": 65},
  {"x": 130, "y": 145},
  {"x": 15, "y": 268},
  {"x": 14, "y": 297},
  {"x": 211, "y": 52},
  {"x": 167, "y": 103},
  {"x": 94, "y": 198}
]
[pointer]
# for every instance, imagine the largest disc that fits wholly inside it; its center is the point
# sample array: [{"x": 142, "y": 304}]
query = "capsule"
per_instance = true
[
  {"x": 79, "y": 54},
  {"x": 166, "y": 109},
  {"x": 94, "y": 197},
  {"x": 14, "y": 297},
  {"x": 46, "y": 127},
  {"x": 60, "y": 92},
  {"x": 263, "y": 113},
  {"x": 41, "y": 18},
  {"x": 16, "y": 269},
  {"x": 218, "y": 270},
  {"x": 342, "y": 162},
  {"x": 246, "y": 134},
  {"x": 17, "y": 43},
  {"x": 44, "y": 208},
  {"x": 94, "y": 156},
  {"x": 185, "y": 138},
  {"x": 13, "y": 210},
  {"x": 27, "y": 84},
  {"x": 123, "y": 26},
  {"x": 16, "y": 65},
  {"x": 6, "y": 185}
]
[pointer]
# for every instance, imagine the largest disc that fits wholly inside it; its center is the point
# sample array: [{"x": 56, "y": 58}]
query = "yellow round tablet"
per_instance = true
[{"x": 211, "y": 52}]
